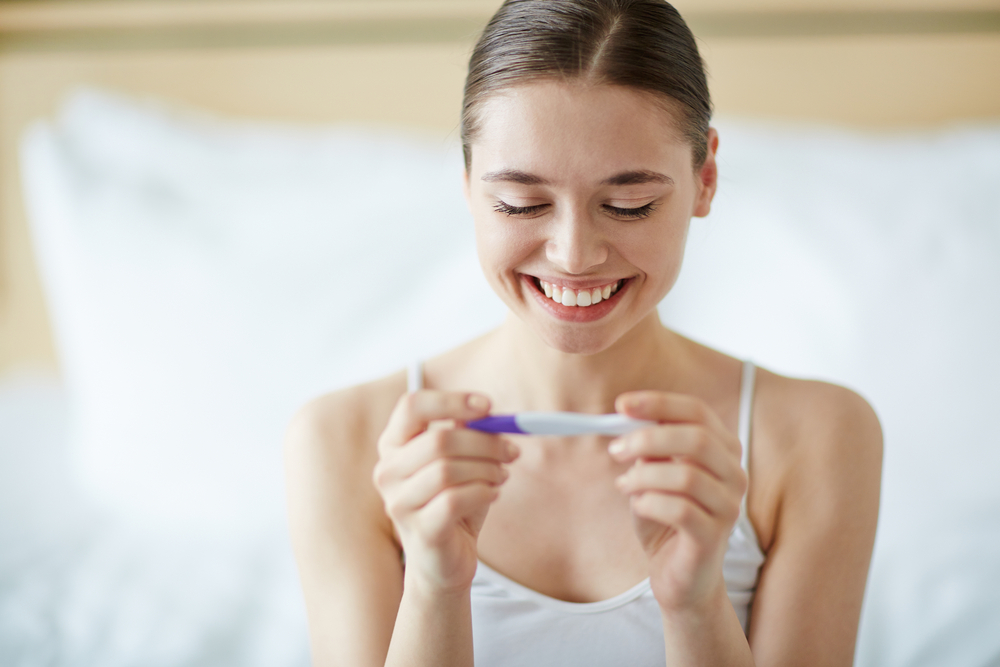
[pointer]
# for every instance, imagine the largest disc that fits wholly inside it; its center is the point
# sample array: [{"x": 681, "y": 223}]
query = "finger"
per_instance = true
[
  {"x": 666, "y": 407},
  {"x": 447, "y": 443},
  {"x": 413, "y": 412},
  {"x": 692, "y": 442},
  {"x": 442, "y": 474},
  {"x": 676, "y": 511},
  {"x": 455, "y": 503},
  {"x": 714, "y": 497}
]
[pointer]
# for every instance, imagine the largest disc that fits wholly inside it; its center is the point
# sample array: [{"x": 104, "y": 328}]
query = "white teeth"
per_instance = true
[{"x": 581, "y": 298}]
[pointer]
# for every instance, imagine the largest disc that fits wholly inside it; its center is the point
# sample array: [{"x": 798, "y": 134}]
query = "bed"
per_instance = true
[{"x": 193, "y": 246}]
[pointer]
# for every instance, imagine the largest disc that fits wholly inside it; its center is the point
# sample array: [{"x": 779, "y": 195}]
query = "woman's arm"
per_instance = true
[
  {"x": 348, "y": 561},
  {"x": 821, "y": 447},
  {"x": 808, "y": 601},
  {"x": 432, "y": 488},
  {"x": 437, "y": 486},
  {"x": 685, "y": 485}
]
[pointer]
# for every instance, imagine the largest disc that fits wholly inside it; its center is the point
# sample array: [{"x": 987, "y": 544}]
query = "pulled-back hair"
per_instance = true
[{"x": 641, "y": 44}]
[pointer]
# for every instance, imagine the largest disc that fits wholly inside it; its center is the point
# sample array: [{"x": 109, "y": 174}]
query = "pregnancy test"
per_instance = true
[{"x": 558, "y": 423}]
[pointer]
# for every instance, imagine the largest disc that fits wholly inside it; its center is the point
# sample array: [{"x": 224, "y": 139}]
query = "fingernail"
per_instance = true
[
  {"x": 512, "y": 450},
  {"x": 616, "y": 447},
  {"x": 504, "y": 474},
  {"x": 477, "y": 402},
  {"x": 620, "y": 481},
  {"x": 631, "y": 402}
]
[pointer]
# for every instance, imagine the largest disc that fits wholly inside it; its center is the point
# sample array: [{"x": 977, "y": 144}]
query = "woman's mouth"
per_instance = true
[
  {"x": 573, "y": 304},
  {"x": 582, "y": 298}
]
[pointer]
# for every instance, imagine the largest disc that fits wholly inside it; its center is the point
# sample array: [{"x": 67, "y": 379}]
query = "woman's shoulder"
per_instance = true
[
  {"x": 793, "y": 415},
  {"x": 812, "y": 417},
  {"x": 330, "y": 452},
  {"x": 816, "y": 447},
  {"x": 345, "y": 424}
]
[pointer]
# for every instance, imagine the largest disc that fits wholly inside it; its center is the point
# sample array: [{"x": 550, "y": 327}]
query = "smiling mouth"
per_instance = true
[{"x": 582, "y": 298}]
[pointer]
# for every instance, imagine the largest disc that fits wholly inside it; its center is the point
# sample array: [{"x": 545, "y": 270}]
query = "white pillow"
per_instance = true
[
  {"x": 874, "y": 261},
  {"x": 870, "y": 260},
  {"x": 206, "y": 278}
]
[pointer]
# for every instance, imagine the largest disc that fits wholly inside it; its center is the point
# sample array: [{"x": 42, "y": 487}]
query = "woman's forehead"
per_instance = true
[{"x": 548, "y": 124}]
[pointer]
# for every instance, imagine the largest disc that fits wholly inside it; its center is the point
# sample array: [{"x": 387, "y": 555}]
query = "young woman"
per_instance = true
[{"x": 737, "y": 530}]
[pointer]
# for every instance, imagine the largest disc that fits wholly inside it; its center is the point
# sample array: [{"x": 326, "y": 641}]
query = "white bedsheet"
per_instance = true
[{"x": 79, "y": 588}]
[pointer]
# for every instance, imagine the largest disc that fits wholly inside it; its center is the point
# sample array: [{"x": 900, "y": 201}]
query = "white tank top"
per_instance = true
[{"x": 515, "y": 626}]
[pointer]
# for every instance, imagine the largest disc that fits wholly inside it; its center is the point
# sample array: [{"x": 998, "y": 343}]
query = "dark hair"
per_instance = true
[{"x": 642, "y": 44}]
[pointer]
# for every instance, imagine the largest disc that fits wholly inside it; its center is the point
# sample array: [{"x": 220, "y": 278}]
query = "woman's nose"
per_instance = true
[{"x": 576, "y": 243}]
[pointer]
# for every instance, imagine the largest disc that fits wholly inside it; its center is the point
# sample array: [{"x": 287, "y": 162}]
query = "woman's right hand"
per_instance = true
[{"x": 437, "y": 483}]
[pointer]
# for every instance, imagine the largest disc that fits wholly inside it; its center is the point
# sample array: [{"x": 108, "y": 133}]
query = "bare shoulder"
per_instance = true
[
  {"x": 816, "y": 450},
  {"x": 813, "y": 420},
  {"x": 331, "y": 450},
  {"x": 347, "y": 423}
]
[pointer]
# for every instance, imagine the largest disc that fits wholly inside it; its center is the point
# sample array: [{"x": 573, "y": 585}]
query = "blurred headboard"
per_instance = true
[{"x": 866, "y": 63}]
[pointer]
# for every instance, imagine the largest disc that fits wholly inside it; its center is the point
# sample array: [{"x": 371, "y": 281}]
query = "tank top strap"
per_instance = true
[
  {"x": 746, "y": 411},
  {"x": 415, "y": 376}
]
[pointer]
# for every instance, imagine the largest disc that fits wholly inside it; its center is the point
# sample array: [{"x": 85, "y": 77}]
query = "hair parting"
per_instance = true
[{"x": 640, "y": 44}]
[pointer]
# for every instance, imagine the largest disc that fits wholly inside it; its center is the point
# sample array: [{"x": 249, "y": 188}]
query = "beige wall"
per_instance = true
[{"x": 373, "y": 69}]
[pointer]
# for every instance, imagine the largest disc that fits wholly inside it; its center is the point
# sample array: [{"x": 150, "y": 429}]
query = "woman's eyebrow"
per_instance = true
[
  {"x": 514, "y": 176},
  {"x": 636, "y": 177}
]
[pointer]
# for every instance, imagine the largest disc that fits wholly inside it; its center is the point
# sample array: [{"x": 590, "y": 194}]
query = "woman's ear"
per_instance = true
[{"x": 708, "y": 177}]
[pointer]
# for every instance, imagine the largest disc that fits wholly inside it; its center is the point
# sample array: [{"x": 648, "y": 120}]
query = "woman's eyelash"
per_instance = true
[
  {"x": 639, "y": 212},
  {"x": 504, "y": 207}
]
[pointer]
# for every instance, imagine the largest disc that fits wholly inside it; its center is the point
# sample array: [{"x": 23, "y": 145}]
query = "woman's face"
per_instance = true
[{"x": 581, "y": 196}]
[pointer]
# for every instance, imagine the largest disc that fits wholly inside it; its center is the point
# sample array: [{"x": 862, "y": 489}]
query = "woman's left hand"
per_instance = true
[{"x": 685, "y": 484}]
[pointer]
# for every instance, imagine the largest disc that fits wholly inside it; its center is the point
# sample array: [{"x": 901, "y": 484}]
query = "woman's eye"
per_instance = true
[
  {"x": 507, "y": 209},
  {"x": 635, "y": 213},
  {"x": 618, "y": 211}
]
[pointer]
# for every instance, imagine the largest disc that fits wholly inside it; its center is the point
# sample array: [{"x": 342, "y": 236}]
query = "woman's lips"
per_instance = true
[{"x": 576, "y": 305}]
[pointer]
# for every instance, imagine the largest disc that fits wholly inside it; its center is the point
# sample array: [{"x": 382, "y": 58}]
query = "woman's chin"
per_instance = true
[{"x": 578, "y": 342}]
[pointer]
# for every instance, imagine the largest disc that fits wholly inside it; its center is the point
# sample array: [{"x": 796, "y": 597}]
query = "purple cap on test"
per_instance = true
[{"x": 496, "y": 424}]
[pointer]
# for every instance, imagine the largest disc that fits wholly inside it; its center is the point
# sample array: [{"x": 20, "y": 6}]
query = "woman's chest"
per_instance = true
[{"x": 568, "y": 538}]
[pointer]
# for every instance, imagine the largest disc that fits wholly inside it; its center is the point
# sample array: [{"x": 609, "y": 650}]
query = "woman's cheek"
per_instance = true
[
  {"x": 504, "y": 243},
  {"x": 658, "y": 255}
]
